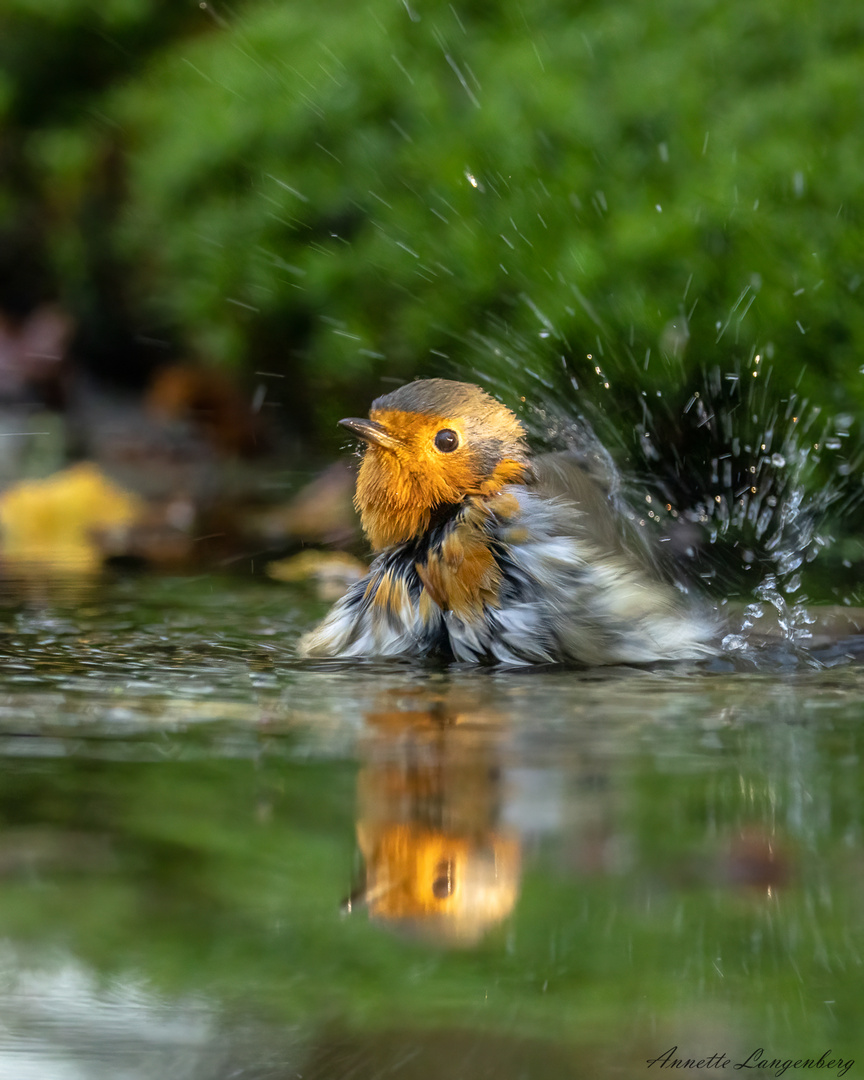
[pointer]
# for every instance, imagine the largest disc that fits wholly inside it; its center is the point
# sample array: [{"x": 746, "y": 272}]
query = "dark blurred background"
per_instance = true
[{"x": 246, "y": 221}]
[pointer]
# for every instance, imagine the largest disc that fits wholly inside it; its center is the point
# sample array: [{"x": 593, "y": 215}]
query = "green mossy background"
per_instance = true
[{"x": 288, "y": 187}]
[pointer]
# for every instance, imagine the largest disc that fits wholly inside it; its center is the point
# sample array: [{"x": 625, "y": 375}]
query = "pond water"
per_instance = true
[{"x": 218, "y": 861}]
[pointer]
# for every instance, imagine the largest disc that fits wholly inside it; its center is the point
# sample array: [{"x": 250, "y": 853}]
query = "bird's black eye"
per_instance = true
[
  {"x": 443, "y": 885},
  {"x": 446, "y": 440}
]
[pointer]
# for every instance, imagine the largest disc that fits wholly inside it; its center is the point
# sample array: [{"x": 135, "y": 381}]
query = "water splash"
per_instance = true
[{"x": 735, "y": 480}]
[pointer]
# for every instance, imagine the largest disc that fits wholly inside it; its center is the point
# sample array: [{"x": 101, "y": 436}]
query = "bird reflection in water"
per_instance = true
[{"x": 439, "y": 863}]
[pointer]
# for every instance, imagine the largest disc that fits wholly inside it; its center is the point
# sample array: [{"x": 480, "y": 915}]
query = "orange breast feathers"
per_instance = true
[{"x": 461, "y": 574}]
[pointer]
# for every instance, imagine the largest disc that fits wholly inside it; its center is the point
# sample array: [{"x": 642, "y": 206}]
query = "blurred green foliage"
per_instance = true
[{"x": 341, "y": 192}]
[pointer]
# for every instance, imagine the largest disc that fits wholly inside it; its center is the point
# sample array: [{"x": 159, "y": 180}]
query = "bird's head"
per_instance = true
[{"x": 432, "y": 444}]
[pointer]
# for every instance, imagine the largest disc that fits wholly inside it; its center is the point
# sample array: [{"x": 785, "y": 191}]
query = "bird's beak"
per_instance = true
[{"x": 371, "y": 431}]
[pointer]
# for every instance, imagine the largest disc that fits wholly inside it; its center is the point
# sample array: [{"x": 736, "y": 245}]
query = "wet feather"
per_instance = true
[{"x": 477, "y": 567}]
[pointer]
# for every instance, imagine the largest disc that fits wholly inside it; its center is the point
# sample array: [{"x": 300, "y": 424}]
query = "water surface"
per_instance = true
[{"x": 218, "y": 861}]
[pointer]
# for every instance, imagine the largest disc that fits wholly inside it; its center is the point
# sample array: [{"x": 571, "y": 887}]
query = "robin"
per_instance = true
[{"x": 485, "y": 555}]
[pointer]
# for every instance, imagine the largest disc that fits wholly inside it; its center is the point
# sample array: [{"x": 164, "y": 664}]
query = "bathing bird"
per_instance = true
[{"x": 487, "y": 554}]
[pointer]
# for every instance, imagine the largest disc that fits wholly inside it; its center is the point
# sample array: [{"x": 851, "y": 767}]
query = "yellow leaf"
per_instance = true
[{"x": 57, "y": 522}]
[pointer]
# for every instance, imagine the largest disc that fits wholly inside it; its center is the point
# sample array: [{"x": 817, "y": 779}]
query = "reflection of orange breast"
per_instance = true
[
  {"x": 434, "y": 789},
  {"x": 437, "y": 863}
]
